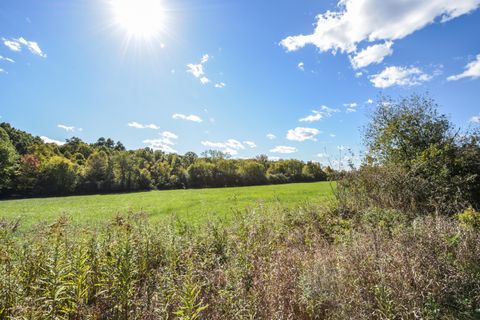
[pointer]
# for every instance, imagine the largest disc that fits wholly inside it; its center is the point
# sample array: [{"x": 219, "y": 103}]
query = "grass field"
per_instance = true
[{"x": 194, "y": 205}]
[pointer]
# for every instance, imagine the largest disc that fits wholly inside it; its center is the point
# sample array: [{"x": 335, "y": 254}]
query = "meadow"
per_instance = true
[{"x": 193, "y": 205}]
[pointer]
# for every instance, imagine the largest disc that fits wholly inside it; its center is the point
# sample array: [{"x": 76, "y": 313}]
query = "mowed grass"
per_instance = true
[{"x": 193, "y": 205}]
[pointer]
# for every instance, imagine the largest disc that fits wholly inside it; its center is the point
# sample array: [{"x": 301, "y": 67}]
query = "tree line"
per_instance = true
[{"x": 31, "y": 167}]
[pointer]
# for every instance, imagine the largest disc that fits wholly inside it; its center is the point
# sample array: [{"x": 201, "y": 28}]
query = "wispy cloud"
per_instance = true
[
  {"x": 284, "y": 149},
  {"x": 165, "y": 143},
  {"x": 301, "y": 66},
  {"x": 271, "y": 136},
  {"x": 250, "y": 144},
  {"x": 17, "y": 44},
  {"x": 69, "y": 128},
  {"x": 190, "y": 117},
  {"x": 472, "y": 70},
  {"x": 324, "y": 112},
  {"x": 351, "y": 107},
  {"x": 137, "y": 125},
  {"x": 231, "y": 146},
  {"x": 302, "y": 134},
  {"x": 6, "y": 59},
  {"x": 220, "y": 85}
]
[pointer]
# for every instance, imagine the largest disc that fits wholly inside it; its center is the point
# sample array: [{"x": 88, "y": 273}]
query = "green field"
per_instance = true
[{"x": 194, "y": 205}]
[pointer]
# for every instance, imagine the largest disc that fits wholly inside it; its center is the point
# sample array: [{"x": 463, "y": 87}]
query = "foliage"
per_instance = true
[
  {"x": 416, "y": 161},
  {"x": 106, "y": 166},
  {"x": 57, "y": 176},
  {"x": 8, "y": 156},
  {"x": 270, "y": 263}
]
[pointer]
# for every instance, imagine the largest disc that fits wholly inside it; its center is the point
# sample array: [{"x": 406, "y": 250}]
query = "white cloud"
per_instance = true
[
  {"x": 472, "y": 70},
  {"x": 6, "y": 59},
  {"x": 250, "y": 144},
  {"x": 323, "y": 155},
  {"x": 48, "y": 140},
  {"x": 164, "y": 143},
  {"x": 66, "y": 128},
  {"x": 358, "y": 74},
  {"x": 271, "y": 136},
  {"x": 369, "y": 101},
  {"x": 301, "y": 66},
  {"x": 372, "y": 54},
  {"x": 3, "y": 71},
  {"x": 16, "y": 45},
  {"x": 372, "y": 21},
  {"x": 475, "y": 119},
  {"x": 283, "y": 149},
  {"x": 332, "y": 135},
  {"x": 12, "y": 45},
  {"x": 302, "y": 134},
  {"x": 324, "y": 112},
  {"x": 351, "y": 107},
  {"x": 231, "y": 146},
  {"x": 32, "y": 46},
  {"x": 143, "y": 126},
  {"x": 190, "y": 117},
  {"x": 195, "y": 69},
  {"x": 400, "y": 76},
  {"x": 273, "y": 158}
]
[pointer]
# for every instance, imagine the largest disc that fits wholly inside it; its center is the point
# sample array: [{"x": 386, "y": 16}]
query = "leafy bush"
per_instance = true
[{"x": 416, "y": 162}]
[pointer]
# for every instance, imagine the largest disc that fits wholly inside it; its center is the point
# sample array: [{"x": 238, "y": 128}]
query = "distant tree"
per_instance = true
[
  {"x": 200, "y": 174},
  {"x": 75, "y": 145},
  {"x": 312, "y": 171},
  {"x": 189, "y": 158},
  {"x": 160, "y": 172},
  {"x": 225, "y": 173},
  {"x": 58, "y": 176},
  {"x": 8, "y": 156},
  {"x": 291, "y": 169},
  {"x": 21, "y": 140},
  {"x": 144, "y": 179},
  {"x": 97, "y": 170},
  {"x": 214, "y": 155},
  {"x": 252, "y": 172},
  {"x": 119, "y": 146},
  {"x": 27, "y": 175}
]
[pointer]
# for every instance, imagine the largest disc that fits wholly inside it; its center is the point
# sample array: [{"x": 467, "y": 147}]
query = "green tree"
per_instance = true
[
  {"x": 400, "y": 131},
  {"x": 8, "y": 156},
  {"x": 97, "y": 171},
  {"x": 58, "y": 176},
  {"x": 312, "y": 171},
  {"x": 252, "y": 172},
  {"x": 28, "y": 173}
]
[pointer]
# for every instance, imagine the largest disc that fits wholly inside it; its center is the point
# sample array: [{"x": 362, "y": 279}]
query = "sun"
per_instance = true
[{"x": 142, "y": 19}]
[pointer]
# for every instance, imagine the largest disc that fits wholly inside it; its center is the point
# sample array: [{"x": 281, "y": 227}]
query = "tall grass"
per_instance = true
[{"x": 270, "y": 263}]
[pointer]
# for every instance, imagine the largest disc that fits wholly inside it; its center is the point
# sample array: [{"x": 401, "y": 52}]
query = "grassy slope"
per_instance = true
[{"x": 194, "y": 205}]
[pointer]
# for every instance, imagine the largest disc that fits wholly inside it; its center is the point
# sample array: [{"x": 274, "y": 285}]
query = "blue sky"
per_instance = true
[{"x": 196, "y": 75}]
